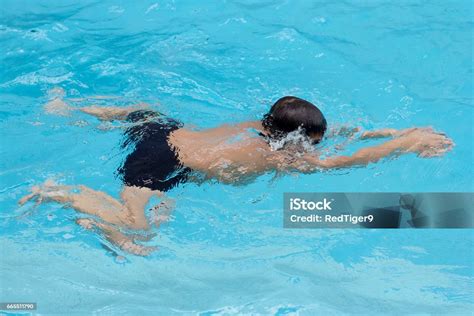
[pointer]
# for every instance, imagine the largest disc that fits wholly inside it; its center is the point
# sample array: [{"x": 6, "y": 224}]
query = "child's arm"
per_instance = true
[
  {"x": 423, "y": 141},
  {"x": 386, "y": 132},
  {"x": 344, "y": 130}
]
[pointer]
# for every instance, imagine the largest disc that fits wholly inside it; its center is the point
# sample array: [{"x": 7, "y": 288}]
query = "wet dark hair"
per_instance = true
[{"x": 290, "y": 113}]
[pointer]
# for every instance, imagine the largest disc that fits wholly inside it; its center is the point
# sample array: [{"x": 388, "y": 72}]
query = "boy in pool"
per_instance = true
[{"x": 166, "y": 154}]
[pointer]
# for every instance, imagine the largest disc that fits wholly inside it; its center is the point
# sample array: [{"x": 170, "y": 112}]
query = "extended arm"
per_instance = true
[
  {"x": 423, "y": 141},
  {"x": 350, "y": 134},
  {"x": 386, "y": 132},
  {"x": 365, "y": 156}
]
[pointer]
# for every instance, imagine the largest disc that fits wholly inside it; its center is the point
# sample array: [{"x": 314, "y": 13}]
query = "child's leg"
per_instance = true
[
  {"x": 111, "y": 113},
  {"x": 80, "y": 198},
  {"x": 116, "y": 237},
  {"x": 129, "y": 213},
  {"x": 134, "y": 201},
  {"x": 57, "y": 106},
  {"x": 161, "y": 212}
]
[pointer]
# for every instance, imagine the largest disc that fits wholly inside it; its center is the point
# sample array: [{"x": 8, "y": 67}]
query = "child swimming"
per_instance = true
[{"x": 166, "y": 154}]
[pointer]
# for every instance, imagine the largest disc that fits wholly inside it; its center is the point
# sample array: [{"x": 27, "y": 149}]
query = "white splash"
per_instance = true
[{"x": 296, "y": 140}]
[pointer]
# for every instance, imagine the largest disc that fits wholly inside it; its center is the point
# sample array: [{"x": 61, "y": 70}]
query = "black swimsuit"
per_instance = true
[{"x": 153, "y": 163}]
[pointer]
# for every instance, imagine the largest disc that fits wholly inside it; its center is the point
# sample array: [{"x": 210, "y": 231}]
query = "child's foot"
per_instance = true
[
  {"x": 58, "y": 107},
  {"x": 123, "y": 241},
  {"x": 35, "y": 194},
  {"x": 138, "y": 250},
  {"x": 49, "y": 190},
  {"x": 161, "y": 213},
  {"x": 86, "y": 223}
]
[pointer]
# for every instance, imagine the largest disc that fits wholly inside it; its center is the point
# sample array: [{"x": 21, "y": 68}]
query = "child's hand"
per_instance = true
[{"x": 425, "y": 142}]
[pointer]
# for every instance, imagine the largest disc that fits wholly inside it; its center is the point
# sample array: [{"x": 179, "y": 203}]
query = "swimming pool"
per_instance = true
[{"x": 367, "y": 63}]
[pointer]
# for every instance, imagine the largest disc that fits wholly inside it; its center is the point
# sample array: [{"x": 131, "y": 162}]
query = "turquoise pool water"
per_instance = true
[{"x": 368, "y": 63}]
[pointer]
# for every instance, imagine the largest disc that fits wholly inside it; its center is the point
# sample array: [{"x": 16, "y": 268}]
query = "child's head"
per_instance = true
[{"x": 290, "y": 113}]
